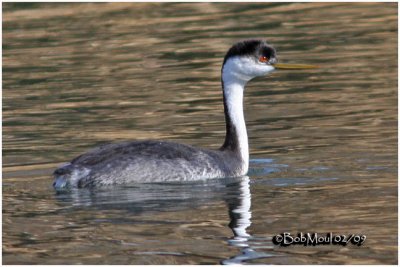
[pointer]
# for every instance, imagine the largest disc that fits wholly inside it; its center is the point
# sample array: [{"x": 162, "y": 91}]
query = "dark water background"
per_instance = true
[{"x": 323, "y": 143}]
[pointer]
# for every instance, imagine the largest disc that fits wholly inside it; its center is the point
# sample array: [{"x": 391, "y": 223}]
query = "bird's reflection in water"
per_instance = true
[
  {"x": 143, "y": 198},
  {"x": 172, "y": 197},
  {"x": 240, "y": 214}
]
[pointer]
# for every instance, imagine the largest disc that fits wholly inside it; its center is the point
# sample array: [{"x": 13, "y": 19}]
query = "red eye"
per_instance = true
[{"x": 263, "y": 59}]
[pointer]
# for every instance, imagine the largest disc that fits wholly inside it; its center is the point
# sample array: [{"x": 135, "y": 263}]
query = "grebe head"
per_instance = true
[
  {"x": 252, "y": 58},
  {"x": 248, "y": 59}
]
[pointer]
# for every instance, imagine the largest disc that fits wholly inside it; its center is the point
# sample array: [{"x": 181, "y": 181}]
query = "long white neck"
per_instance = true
[{"x": 236, "y": 139}]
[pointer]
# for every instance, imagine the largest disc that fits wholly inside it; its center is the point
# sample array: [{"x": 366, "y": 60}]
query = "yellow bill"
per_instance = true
[{"x": 282, "y": 66}]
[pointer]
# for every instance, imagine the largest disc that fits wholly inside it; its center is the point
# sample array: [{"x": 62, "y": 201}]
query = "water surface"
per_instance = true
[{"x": 323, "y": 143}]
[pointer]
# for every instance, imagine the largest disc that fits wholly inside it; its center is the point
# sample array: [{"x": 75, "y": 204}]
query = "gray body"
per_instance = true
[{"x": 145, "y": 162}]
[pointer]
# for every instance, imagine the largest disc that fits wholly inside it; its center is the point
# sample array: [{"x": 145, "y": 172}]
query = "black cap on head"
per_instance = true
[{"x": 251, "y": 48}]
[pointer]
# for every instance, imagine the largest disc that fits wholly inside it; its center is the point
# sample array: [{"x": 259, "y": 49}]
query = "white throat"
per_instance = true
[{"x": 233, "y": 85}]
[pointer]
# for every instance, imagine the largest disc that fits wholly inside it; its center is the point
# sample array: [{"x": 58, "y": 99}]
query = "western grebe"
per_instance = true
[{"x": 162, "y": 161}]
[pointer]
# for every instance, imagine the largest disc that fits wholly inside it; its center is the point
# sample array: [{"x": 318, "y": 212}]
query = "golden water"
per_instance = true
[{"x": 323, "y": 142}]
